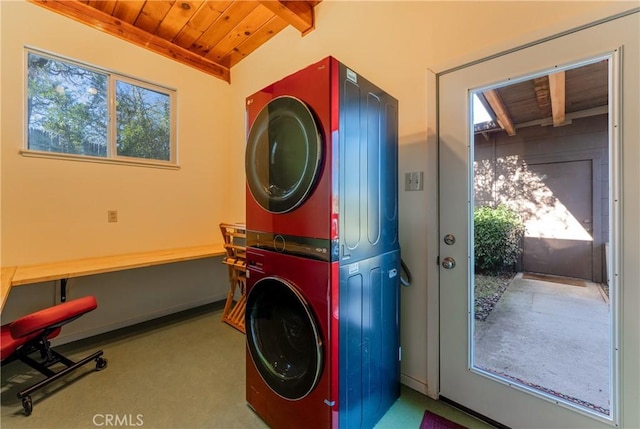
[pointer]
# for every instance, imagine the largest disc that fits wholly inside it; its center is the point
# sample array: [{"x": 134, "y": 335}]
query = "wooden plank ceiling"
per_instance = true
[
  {"x": 211, "y": 36},
  {"x": 555, "y": 99}
]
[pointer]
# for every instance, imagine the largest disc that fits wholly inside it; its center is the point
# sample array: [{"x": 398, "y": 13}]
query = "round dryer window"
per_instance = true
[
  {"x": 283, "y": 155},
  {"x": 283, "y": 338}
]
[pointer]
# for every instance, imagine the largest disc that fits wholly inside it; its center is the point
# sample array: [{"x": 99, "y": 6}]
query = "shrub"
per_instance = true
[{"x": 497, "y": 235}]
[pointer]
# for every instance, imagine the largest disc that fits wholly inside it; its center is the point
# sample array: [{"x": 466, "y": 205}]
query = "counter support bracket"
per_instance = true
[{"x": 63, "y": 290}]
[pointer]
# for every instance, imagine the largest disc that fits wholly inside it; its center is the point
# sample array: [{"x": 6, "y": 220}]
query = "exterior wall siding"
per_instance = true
[{"x": 502, "y": 175}]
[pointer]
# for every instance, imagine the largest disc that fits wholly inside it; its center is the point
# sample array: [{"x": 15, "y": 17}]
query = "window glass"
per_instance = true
[
  {"x": 69, "y": 107},
  {"x": 143, "y": 122},
  {"x": 66, "y": 108}
]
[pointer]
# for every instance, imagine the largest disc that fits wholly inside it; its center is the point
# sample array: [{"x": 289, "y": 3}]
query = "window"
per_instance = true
[{"x": 78, "y": 110}]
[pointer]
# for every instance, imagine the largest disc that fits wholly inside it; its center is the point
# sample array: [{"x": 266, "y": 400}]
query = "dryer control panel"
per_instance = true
[{"x": 313, "y": 248}]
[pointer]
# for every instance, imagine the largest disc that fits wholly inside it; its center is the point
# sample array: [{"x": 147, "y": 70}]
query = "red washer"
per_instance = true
[
  {"x": 291, "y": 361},
  {"x": 292, "y": 125},
  {"x": 322, "y": 290}
]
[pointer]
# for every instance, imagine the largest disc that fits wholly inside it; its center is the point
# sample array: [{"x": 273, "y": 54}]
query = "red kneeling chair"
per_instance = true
[{"x": 31, "y": 333}]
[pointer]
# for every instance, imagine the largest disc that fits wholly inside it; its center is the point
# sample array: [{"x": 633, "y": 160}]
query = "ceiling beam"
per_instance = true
[
  {"x": 299, "y": 14},
  {"x": 541, "y": 88},
  {"x": 557, "y": 95},
  {"x": 569, "y": 117},
  {"x": 502, "y": 116},
  {"x": 95, "y": 18}
]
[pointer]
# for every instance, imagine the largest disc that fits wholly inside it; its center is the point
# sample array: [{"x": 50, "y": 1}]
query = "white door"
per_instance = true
[{"x": 502, "y": 399}]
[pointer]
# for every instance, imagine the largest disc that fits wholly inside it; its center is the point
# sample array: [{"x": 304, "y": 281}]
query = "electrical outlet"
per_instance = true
[
  {"x": 413, "y": 181},
  {"x": 112, "y": 215}
]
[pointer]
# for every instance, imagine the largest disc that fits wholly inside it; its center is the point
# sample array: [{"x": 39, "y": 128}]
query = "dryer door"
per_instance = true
[
  {"x": 283, "y": 155},
  {"x": 283, "y": 338}
]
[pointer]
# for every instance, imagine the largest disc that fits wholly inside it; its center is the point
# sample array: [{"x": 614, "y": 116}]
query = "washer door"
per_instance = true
[
  {"x": 283, "y": 338},
  {"x": 283, "y": 155}
]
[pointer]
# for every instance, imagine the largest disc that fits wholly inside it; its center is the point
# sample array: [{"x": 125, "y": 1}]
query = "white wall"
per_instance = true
[
  {"x": 57, "y": 209},
  {"x": 398, "y": 46},
  {"x": 0, "y": 141}
]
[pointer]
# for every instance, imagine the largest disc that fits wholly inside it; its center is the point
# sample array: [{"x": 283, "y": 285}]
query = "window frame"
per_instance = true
[{"x": 113, "y": 77}]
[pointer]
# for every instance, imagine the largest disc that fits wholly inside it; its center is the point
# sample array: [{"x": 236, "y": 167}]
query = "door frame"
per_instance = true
[{"x": 433, "y": 276}]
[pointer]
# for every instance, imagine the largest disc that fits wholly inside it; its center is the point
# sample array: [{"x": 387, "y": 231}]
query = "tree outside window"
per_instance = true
[{"x": 68, "y": 111}]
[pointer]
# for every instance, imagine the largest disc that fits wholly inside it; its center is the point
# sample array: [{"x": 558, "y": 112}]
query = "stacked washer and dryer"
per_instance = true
[{"x": 323, "y": 258}]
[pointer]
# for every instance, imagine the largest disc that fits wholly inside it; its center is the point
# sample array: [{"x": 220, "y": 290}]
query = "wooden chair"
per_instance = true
[{"x": 235, "y": 245}]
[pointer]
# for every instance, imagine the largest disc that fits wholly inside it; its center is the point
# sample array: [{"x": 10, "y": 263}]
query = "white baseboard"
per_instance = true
[{"x": 414, "y": 384}]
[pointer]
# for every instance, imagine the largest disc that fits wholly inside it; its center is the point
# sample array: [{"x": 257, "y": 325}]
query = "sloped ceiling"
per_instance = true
[{"x": 211, "y": 36}]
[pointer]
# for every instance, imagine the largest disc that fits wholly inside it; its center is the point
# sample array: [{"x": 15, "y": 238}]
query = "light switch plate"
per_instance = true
[{"x": 413, "y": 181}]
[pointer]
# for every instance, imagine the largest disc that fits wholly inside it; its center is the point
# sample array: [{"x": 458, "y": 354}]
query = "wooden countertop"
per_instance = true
[
  {"x": 6, "y": 275},
  {"x": 27, "y": 274}
]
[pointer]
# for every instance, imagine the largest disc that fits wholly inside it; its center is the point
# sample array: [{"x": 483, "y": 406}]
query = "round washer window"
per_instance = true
[
  {"x": 283, "y": 338},
  {"x": 283, "y": 155}
]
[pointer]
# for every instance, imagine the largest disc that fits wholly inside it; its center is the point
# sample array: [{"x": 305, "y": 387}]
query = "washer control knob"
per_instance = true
[{"x": 279, "y": 243}]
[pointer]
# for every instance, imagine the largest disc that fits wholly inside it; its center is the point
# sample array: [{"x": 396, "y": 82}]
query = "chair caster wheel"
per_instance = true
[
  {"x": 101, "y": 363},
  {"x": 27, "y": 404}
]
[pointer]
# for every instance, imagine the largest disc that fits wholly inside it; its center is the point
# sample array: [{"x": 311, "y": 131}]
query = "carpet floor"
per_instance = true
[{"x": 182, "y": 371}]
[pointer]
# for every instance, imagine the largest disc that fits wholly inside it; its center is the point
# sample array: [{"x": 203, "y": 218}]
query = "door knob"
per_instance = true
[{"x": 448, "y": 263}]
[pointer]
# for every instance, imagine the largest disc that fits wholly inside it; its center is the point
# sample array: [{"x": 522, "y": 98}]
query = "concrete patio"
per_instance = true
[{"x": 552, "y": 335}]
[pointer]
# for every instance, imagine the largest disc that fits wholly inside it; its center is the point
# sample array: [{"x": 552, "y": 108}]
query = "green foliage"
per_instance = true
[
  {"x": 66, "y": 108},
  {"x": 498, "y": 234},
  {"x": 67, "y": 112},
  {"x": 143, "y": 123}
]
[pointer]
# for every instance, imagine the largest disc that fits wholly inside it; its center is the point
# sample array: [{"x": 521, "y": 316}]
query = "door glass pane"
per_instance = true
[{"x": 540, "y": 316}]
